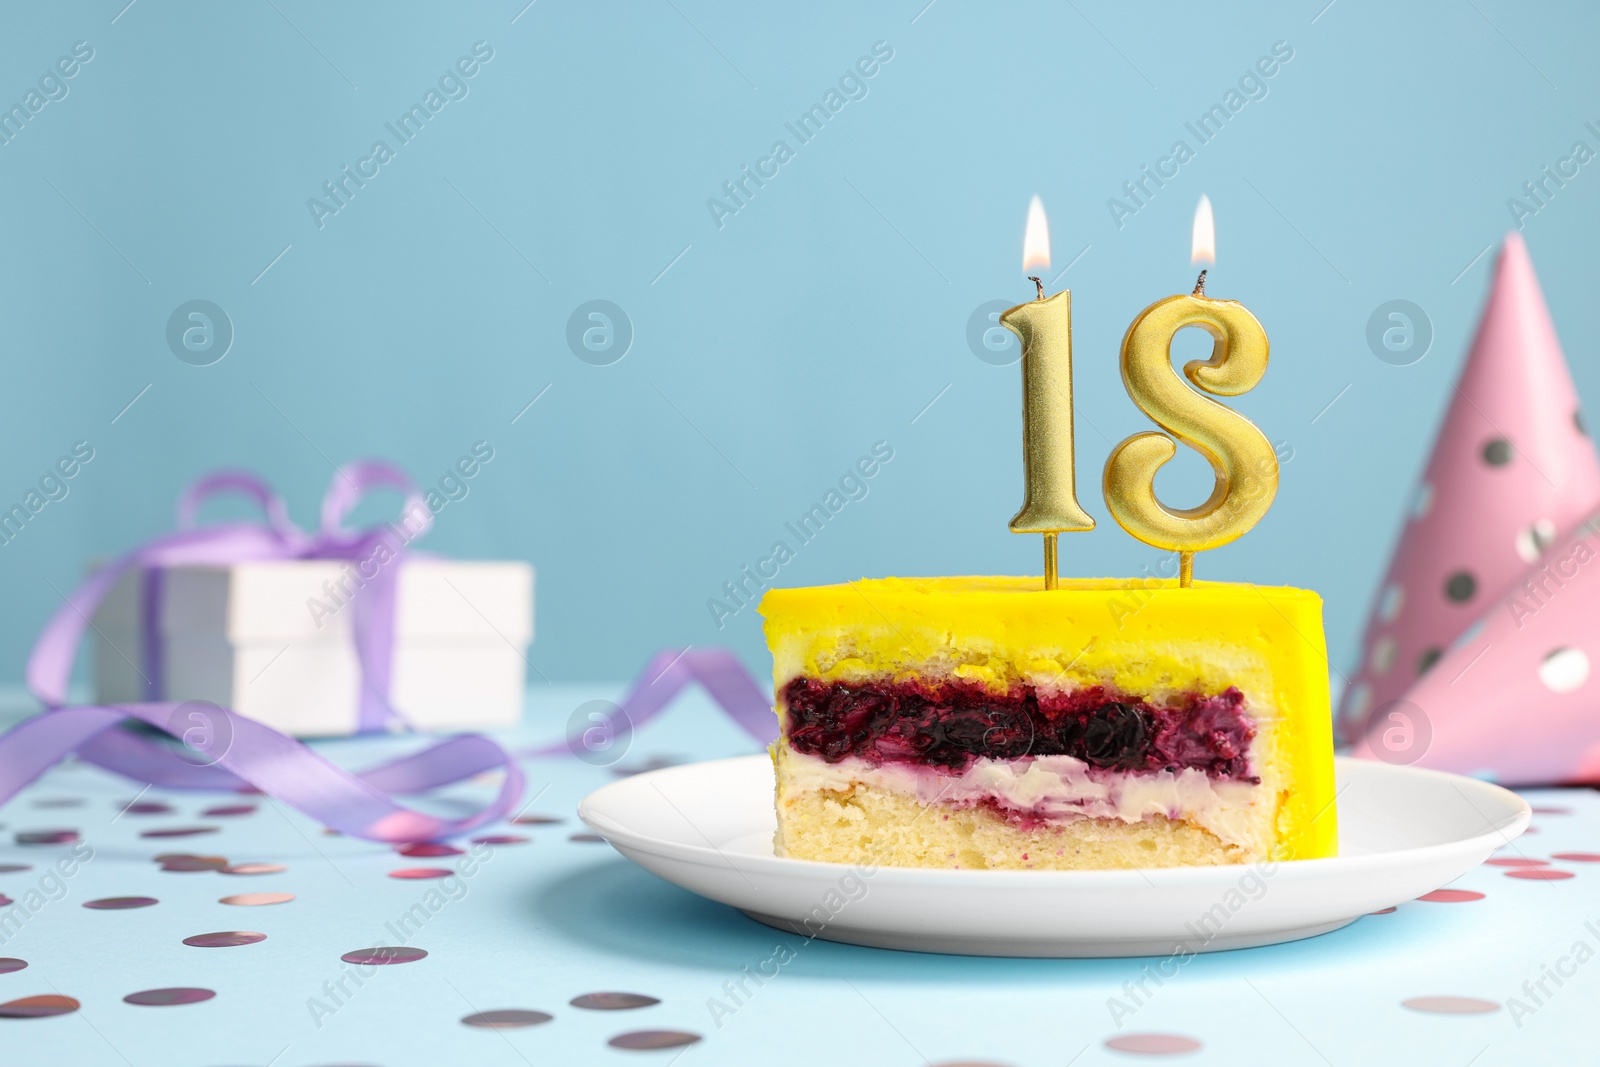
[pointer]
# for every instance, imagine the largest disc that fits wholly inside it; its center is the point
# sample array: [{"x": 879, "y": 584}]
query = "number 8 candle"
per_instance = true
[{"x": 1245, "y": 466}]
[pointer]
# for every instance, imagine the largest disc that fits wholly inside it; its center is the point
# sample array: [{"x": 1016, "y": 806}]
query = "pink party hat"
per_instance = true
[
  {"x": 1517, "y": 700},
  {"x": 1512, "y": 469}
]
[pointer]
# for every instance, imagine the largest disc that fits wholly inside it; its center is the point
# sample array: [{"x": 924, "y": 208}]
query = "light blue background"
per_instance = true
[{"x": 825, "y": 316}]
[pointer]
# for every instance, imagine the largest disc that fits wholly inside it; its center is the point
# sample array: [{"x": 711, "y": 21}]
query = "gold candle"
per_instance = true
[
  {"x": 1044, "y": 326},
  {"x": 1245, "y": 466}
]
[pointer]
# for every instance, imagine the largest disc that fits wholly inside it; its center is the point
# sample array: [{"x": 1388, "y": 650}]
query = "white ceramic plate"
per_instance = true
[{"x": 1403, "y": 832}]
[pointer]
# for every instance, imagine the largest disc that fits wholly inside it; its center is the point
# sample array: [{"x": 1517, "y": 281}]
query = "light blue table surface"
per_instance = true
[{"x": 540, "y": 923}]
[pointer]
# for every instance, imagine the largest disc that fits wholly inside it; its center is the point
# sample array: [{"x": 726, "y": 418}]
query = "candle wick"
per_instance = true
[
  {"x": 1200, "y": 285},
  {"x": 1037, "y": 284}
]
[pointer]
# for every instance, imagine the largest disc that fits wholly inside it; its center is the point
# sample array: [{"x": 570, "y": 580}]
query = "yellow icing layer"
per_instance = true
[{"x": 1145, "y": 638}]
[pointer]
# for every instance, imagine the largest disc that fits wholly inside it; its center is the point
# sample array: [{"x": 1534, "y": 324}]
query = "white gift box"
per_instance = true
[{"x": 259, "y": 638}]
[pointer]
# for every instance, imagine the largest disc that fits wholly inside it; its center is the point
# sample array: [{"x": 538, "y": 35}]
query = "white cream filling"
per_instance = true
[{"x": 1052, "y": 788}]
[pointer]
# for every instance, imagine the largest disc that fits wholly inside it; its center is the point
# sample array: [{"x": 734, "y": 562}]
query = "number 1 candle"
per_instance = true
[{"x": 1044, "y": 326}]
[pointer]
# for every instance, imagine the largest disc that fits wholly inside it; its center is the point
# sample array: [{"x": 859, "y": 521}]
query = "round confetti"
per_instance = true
[
  {"x": 38, "y": 1007},
  {"x": 537, "y": 820},
  {"x": 587, "y": 839},
  {"x": 146, "y": 807},
  {"x": 169, "y": 996},
  {"x": 1552, "y": 811},
  {"x": 422, "y": 872},
  {"x": 1539, "y": 874},
  {"x": 179, "y": 831},
  {"x": 385, "y": 954},
  {"x": 1153, "y": 1044},
  {"x": 1451, "y": 1005},
  {"x": 500, "y": 839},
  {"x": 1564, "y": 669},
  {"x": 5, "y": 900},
  {"x": 429, "y": 848},
  {"x": 652, "y": 1039},
  {"x": 254, "y": 900},
  {"x": 612, "y": 1001},
  {"x": 1515, "y": 861},
  {"x": 1382, "y": 911},
  {"x": 13, "y": 868},
  {"x": 46, "y": 837},
  {"x": 11, "y": 963},
  {"x": 225, "y": 939},
  {"x": 1451, "y": 896},
  {"x": 1427, "y": 659},
  {"x": 1578, "y": 857},
  {"x": 191, "y": 864},
  {"x": 506, "y": 1018},
  {"x": 120, "y": 903},
  {"x": 226, "y": 811},
  {"x": 254, "y": 868}
]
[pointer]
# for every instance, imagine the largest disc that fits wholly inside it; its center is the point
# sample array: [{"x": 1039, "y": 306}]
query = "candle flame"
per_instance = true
[
  {"x": 1036, "y": 239},
  {"x": 1203, "y": 248}
]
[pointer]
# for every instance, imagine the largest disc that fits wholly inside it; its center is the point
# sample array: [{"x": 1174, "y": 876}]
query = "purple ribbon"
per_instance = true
[
  {"x": 226, "y": 750},
  {"x": 667, "y": 674}
]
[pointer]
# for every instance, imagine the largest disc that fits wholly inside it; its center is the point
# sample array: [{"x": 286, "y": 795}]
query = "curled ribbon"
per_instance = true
[{"x": 228, "y": 751}]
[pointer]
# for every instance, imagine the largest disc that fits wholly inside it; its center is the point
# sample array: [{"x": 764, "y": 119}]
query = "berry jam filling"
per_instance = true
[{"x": 951, "y": 724}]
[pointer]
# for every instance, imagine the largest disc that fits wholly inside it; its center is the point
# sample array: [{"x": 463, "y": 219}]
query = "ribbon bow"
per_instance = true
[{"x": 226, "y": 750}]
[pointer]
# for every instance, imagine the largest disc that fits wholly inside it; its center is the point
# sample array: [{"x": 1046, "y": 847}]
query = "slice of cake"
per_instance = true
[{"x": 986, "y": 723}]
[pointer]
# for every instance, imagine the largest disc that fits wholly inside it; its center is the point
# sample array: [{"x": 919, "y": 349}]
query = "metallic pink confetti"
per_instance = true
[
  {"x": 426, "y": 849},
  {"x": 587, "y": 839},
  {"x": 38, "y": 1007},
  {"x": 46, "y": 837},
  {"x": 13, "y": 868},
  {"x": 653, "y": 1039},
  {"x": 1539, "y": 874},
  {"x": 11, "y": 963},
  {"x": 500, "y": 839},
  {"x": 191, "y": 864},
  {"x": 225, "y": 939},
  {"x": 385, "y": 954},
  {"x": 612, "y": 1001},
  {"x": 422, "y": 872},
  {"x": 253, "y": 900},
  {"x": 537, "y": 820},
  {"x": 169, "y": 996},
  {"x": 146, "y": 807},
  {"x": 254, "y": 868},
  {"x": 1153, "y": 1044},
  {"x": 120, "y": 903},
  {"x": 59, "y": 802},
  {"x": 179, "y": 831},
  {"x": 1451, "y": 896},
  {"x": 506, "y": 1018},
  {"x": 1382, "y": 911},
  {"x": 1578, "y": 857},
  {"x": 1552, "y": 811},
  {"x": 1515, "y": 861},
  {"x": 228, "y": 811},
  {"x": 1451, "y": 1005}
]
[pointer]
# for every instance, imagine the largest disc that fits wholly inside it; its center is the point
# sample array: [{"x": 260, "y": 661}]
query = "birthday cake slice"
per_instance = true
[{"x": 984, "y": 723}]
